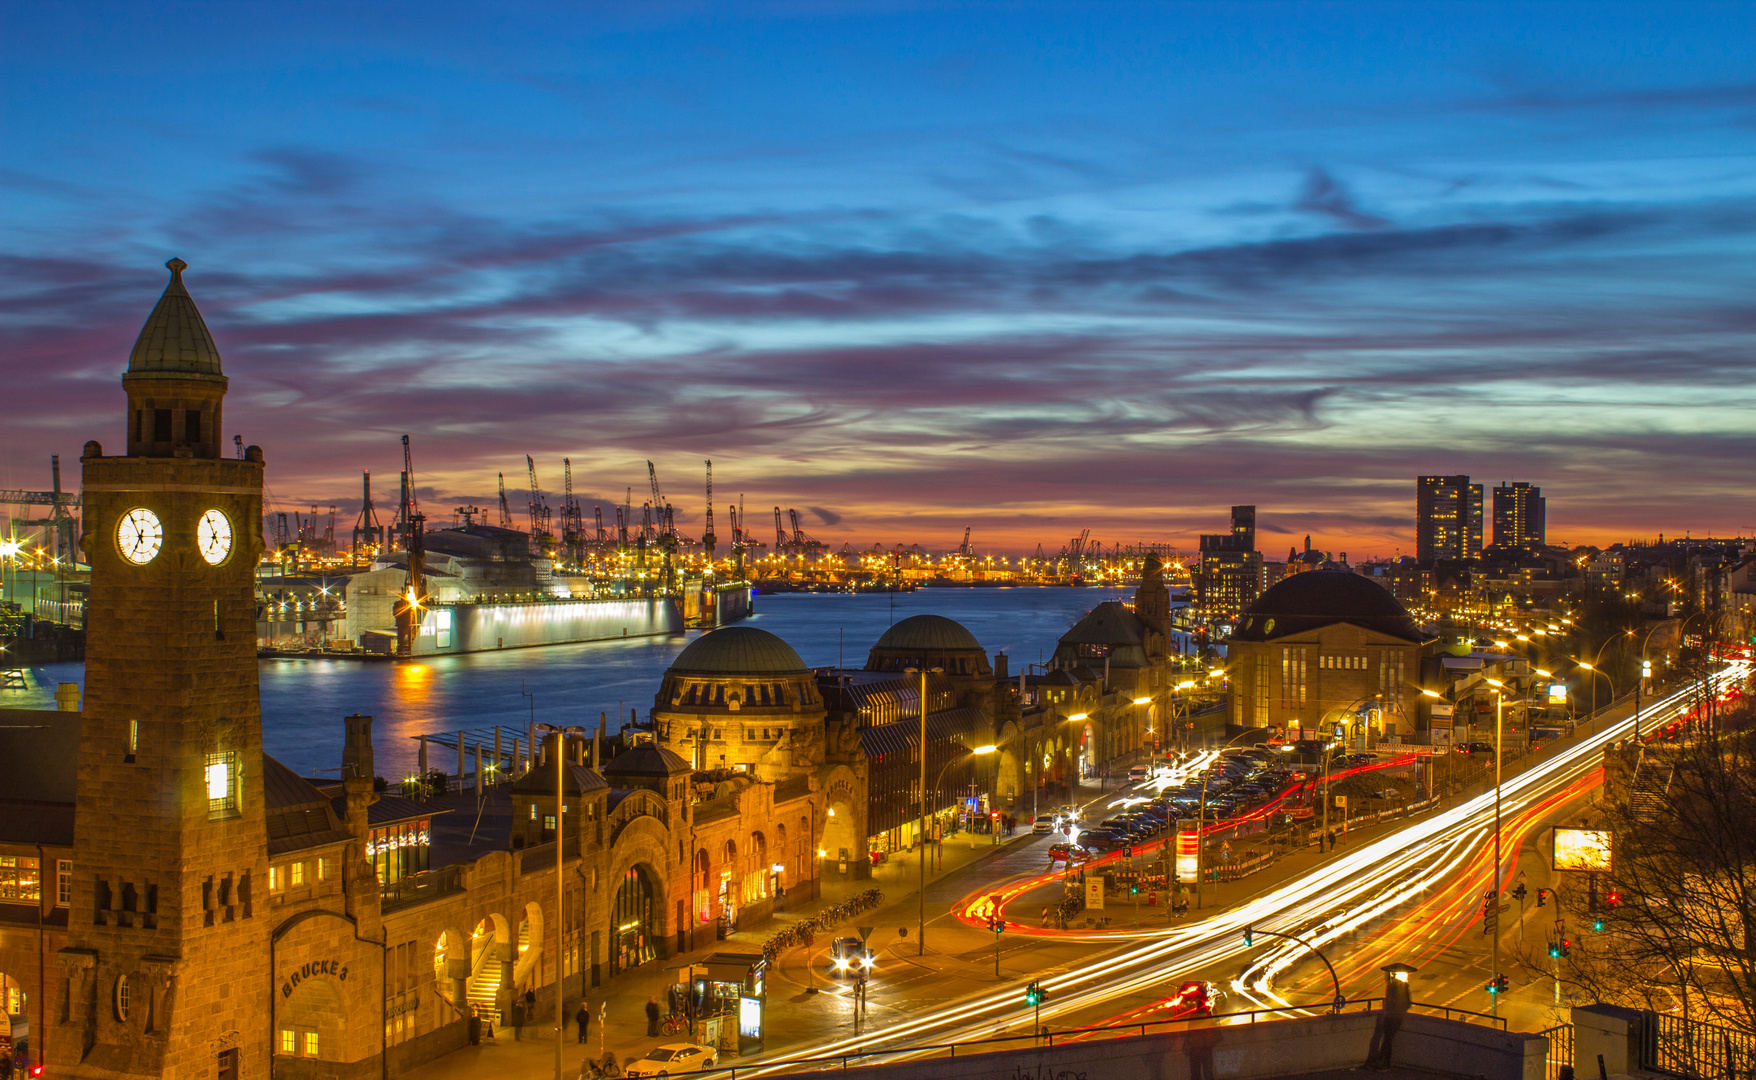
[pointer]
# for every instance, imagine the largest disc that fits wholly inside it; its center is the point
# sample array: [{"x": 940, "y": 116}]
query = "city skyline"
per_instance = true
[{"x": 1048, "y": 270}]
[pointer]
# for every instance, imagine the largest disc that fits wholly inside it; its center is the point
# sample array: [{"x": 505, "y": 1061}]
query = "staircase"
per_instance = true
[
  {"x": 484, "y": 984},
  {"x": 1648, "y": 788}
]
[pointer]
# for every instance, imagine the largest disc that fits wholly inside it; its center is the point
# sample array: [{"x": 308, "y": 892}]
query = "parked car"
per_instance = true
[
  {"x": 673, "y": 1057},
  {"x": 1068, "y": 853}
]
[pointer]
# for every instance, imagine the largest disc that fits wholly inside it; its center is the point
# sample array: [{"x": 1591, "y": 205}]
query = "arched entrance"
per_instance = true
[
  {"x": 728, "y": 888},
  {"x": 490, "y": 952},
  {"x": 840, "y": 846},
  {"x": 531, "y": 939},
  {"x": 312, "y": 1021},
  {"x": 633, "y": 922}
]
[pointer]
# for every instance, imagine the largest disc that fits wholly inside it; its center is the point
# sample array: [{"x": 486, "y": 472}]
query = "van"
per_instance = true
[{"x": 1138, "y": 774}]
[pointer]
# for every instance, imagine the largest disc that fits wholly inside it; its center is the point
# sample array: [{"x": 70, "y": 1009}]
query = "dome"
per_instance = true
[
  {"x": 928, "y": 633},
  {"x": 739, "y": 650},
  {"x": 1317, "y": 598},
  {"x": 175, "y": 343},
  {"x": 646, "y": 759}
]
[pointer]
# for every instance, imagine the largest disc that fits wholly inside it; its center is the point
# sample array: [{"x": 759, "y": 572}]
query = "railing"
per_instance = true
[
  {"x": 422, "y": 887},
  {"x": 1048, "y": 1039},
  {"x": 1560, "y": 1053},
  {"x": 1692, "y": 1048}
]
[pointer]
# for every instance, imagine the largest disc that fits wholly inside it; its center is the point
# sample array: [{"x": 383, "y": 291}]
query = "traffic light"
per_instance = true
[
  {"x": 1597, "y": 925},
  {"x": 1499, "y": 985},
  {"x": 1554, "y": 950},
  {"x": 1247, "y": 935},
  {"x": 1033, "y": 994},
  {"x": 1519, "y": 892},
  {"x": 1542, "y": 897},
  {"x": 1613, "y": 898}
]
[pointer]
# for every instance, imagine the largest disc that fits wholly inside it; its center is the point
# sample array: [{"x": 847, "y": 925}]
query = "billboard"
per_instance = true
[
  {"x": 1583, "y": 849},
  {"x": 1188, "y": 850},
  {"x": 1558, "y": 693}
]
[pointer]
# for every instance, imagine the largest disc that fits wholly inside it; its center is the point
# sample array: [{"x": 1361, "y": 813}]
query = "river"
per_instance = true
[{"x": 303, "y": 701}]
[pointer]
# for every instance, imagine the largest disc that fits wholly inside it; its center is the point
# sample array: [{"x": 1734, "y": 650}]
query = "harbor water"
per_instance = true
[{"x": 303, "y": 701}]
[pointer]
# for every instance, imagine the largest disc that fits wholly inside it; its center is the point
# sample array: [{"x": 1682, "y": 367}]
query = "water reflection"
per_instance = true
[{"x": 303, "y": 701}]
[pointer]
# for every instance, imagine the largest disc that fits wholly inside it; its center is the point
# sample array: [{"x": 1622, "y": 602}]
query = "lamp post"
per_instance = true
[
  {"x": 1592, "y": 667},
  {"x": 1494, "y": 893},
  {"x": 560, "y": 732},
  {"x": 921, "y": 930}
]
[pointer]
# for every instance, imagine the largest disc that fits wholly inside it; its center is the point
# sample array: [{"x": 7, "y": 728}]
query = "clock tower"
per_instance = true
[{"x": 167, "y": 941}]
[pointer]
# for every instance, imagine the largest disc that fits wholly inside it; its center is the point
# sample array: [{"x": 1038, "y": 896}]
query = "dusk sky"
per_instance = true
[{"x": 912, "y": 267}]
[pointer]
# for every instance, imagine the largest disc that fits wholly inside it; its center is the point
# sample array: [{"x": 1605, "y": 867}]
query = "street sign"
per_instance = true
[
  {"x": 1094, "y": 894},
  {"x": 866, "y": 932}
]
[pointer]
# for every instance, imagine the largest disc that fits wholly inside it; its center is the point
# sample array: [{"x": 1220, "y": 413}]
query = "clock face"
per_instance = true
[
  {"x": 139, "y": 536},
  {"x": 214, "y": 536}
]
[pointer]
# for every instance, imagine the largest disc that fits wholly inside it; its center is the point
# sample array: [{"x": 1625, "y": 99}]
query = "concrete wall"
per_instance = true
[{"x": 1242, "y": 1051}]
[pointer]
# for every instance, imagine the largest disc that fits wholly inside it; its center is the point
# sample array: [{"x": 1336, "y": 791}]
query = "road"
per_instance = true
[{"x": 1412, "y": 894}]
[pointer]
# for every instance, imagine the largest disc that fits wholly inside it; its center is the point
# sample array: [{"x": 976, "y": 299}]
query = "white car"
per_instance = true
[
  {"x": 673, "y": 1058},
  {"x": 1044, "y": 824}
]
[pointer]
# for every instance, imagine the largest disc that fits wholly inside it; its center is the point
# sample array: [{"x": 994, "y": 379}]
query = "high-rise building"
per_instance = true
[
  {"x": 1230, "y": 579},
  {"x": 1448, "y": 518},
  {"x": 1519, "y": 512}
]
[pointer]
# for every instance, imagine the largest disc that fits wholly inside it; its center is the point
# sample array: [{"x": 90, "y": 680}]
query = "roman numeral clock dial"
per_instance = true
[
  {"x": 214, "y": 536},
  {"x": 139, "y": 536}
]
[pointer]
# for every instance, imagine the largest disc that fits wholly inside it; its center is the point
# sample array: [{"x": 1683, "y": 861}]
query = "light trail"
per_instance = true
[{"x": 1377, "y": 877}]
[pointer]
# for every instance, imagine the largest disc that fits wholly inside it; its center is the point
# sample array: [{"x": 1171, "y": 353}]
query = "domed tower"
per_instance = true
[
  {"x": 167, "y": 937},
  {"x": 1152, "y": 605},
  {"x": 741, "y": 698},
  {"x": 931, "y": 641}
]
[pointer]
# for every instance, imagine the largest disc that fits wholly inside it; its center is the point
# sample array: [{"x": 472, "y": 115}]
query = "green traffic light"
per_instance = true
[{"x": 1597, "y": 925}]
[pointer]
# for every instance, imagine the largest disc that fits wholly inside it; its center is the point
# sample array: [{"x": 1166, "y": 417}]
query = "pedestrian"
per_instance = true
[
  {"x": 1396, "y": 1005},
  {"x": 652, "y": 1016},
  {"x": 518, "y": 1014},
  {"x": 530, "y": 1006},
  {"x": 582, "y": 1021}
]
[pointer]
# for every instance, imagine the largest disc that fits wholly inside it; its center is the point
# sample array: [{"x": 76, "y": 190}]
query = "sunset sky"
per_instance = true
[{"x": 912, "y": 267}]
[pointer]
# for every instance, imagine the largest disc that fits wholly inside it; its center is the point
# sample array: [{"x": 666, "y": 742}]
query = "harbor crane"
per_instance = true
[
  {"x": 781, "y": 540},
  {"x": 61, "y": 504},
  {"x": 542, "y": 542},
  {"x": 408, "y": 506},
  {"x": 964, "y": 548},
  {"x": 505, "y": 510},
  {"x": 572, "y": 516},
  {"x": 367, "y": 528},
  {"x": 708, "y": 539},
  {"x": 411, "y": 524}
]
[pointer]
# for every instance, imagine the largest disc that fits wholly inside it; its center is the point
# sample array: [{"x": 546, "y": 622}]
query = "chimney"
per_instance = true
[
  {"x": 357, "y": 774},
  {"x": 1001, "y": 674}
]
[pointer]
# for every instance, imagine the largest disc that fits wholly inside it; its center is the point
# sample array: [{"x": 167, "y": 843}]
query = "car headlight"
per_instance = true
[
  {"x": 870, "y": 962},
  {"x": 840, "y": 964}
]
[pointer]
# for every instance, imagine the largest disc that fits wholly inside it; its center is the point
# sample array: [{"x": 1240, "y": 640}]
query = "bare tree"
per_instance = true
[{"x": 1670, "y": 928}]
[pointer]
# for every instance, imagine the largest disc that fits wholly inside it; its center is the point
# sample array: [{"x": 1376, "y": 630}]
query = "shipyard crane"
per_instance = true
[
  {"x": 597, "y": 514},
  {"x": 964, "y": 549},
  {"x": 572, "y": 516},
  {"x": 466, "y": 515},
  {"x": 781, "y": 540},
  {"x": 802, "y": 541},
  {"x": 412, "y": 524},
  {"x": 60, "y": 503},
  {"x": 541, "y": 542},
  {"x": 329, "y": 535},
  {"x": 708, "y": 539},
  {"x": 366, "y": 526},
  {"x": 505, "y": 510},
  {"x": 621, "y": 528}
]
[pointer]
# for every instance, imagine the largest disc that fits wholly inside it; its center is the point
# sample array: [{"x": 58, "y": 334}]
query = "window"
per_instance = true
[
  {"x": 222, "y": 785},
  {"x": 274, "y": 879},
  {"x": 310, "y": 1044},
  {"x": 161, "y": 425},
  {"x": 122, "y": 997},
  {"x": 133, "y": 738},
  {"x": 228, "y": 1065},
  {"x": 64, "y": 882},
  {"x": 322, "y": 869},
  {"x": 192, "y": 426},
  {"x": 20, "y": 878},
  {"x": 296, "y": 874},
  {"x": 289, "y": 1041},
  {"x": 533, "y": 811}
]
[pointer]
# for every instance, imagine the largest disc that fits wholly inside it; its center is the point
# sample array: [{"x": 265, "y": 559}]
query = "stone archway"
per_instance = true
[
  {"x": 489, "y": 986},
  {"x": 530, "y": 942},
  {"x": 311, "y": 1022},
  {"x": 636, "y": 919}
]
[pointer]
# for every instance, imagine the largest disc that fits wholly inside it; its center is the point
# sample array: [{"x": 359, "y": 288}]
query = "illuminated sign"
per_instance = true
[
  {"x": 1188, "y": 851},
  {"x": 1094, "y": 894},
  {"x": 1583, "y": 849},
  {"x": 1558, "y": 692},
  {"x": 750, "y": 1017},
  {"x": 397, "y": 841}
]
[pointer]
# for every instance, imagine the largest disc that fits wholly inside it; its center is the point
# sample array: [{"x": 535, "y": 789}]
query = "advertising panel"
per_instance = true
[
  {"x": 1583, "y": 849},
  {"x": 750, "y": 1017},
  {"x": 1188, "y": 851},
  {"x": 1558, "y": 693}
]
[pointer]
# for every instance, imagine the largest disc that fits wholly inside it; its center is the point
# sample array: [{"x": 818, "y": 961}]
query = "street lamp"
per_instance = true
[
  {"x": 921, "y": 934},
  {"x": 1494, "y": 893},
  {"x": 560, "y": 732},
  {"x": 969, "y": 752}
]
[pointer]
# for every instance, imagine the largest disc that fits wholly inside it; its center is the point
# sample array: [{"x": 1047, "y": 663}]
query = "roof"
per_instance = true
[
  {"x": 388, "y": 810},
  {"x": 297, "y": 815},
  {"x": 928, "y": 633},
  {"x": 48, "y": 740},
  {"x": 1110, "y": 623},
  {"x": 575, "y": 780},
  {"x": 175, "y": 340},
  {"x": 1319, "y": 598},
  {"x": 944, "y": 724},
  {"x": 738, "y": 650},
  {"x": 647, "y": 759}
]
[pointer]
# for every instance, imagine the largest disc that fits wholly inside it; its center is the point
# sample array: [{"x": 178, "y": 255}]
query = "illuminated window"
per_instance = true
[
  {"x": 64, "y": 882},
  {"x": 533, "y": 811},
  {"x": 310, "y": 1044},
  {"x": 222, "y": 785},
  {"x": 274, "y": 879},
  {"x": 20, "y": 878},
  {"x": 322, "y": 870},
  {"x": 133, "y": 738},
  {"x": 289, "y": 1042},
  {"x": 297, "y": 875}
]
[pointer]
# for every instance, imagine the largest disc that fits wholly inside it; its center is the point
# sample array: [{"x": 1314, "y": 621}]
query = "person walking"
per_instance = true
[
  {"x": 1397, "y": 1000},
  {"x": 530, "y": 1006},
  {"x": 652, "y": 1016},
  {"x": 582, "y": 1021},
  {"x": 517, "y": 1021}
]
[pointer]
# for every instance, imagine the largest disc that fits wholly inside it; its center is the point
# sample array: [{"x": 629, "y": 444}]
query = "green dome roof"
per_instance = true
[
  {"x": 928, "y": 633},
  {"x": 174, "y": 342},
  {"x": 739, "y": 650}
]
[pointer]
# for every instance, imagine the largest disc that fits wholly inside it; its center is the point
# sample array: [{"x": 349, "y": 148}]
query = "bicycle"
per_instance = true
[{"x": 674, "y": 1024}]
